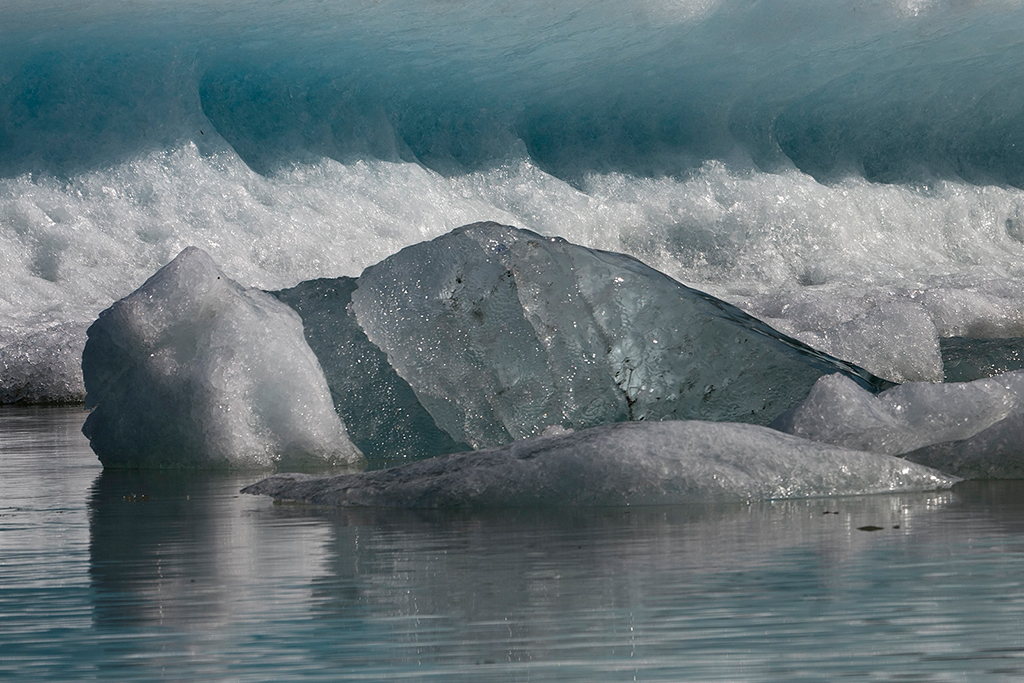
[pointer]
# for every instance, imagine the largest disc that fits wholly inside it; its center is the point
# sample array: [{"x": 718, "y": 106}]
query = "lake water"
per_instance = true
[{"x": 149, "y": 576}]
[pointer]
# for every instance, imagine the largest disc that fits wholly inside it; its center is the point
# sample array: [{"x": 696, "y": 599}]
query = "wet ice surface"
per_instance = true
[
  {"x": 971, "y": 430},
  {"x": 482, "y": 336},
  {"x": 163, "y": 576},
  {"x": 630, "y": 463},
  {"x": 501, "y": 332}
]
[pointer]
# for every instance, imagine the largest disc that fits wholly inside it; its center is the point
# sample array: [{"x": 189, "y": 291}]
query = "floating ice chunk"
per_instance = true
[
  {"x": 44, "y": 367},
  {"x": 903, "y": 418},
  {"x": 628, "y": 463},
  {"x": 192, "y": 370},
  {"x": 501, "y": 332},
  {"x": 994, "y": 453}
]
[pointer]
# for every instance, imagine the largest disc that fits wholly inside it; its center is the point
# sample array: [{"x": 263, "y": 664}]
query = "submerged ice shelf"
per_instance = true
[{"x": 631, "y": 463}]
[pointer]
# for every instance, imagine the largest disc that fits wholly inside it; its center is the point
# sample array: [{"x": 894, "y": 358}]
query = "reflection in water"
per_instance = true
[
  {"x": 463, "y": 595},
  {"x": 182, "y": 553},
  {"x": 154, "y": 576},
  {"x": 634, "y": 588}
]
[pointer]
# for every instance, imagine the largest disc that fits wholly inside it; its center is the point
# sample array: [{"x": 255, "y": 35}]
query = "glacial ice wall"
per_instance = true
[
  {"x": 840, "y": 170},
  {"x": 193, "y": 371}
]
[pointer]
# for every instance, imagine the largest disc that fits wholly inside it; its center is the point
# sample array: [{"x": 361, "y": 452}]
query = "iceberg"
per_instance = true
[
  {"x": 969, "y": 429},
  {"x": 499, "y": 333},
  {"x": 630, "y": 463},
  {"x": 484, "y": 336},
  {"x": 193, "y": 371}
]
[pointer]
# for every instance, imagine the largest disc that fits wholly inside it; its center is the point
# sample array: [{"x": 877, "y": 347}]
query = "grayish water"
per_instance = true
[{"x": 143, "y": 576}]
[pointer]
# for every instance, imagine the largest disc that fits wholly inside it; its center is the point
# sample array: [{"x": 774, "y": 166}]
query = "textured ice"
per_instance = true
[
  {"x": 994, "y": 453},
  {"x": 623, "y": 464},
  {"x": 966, "y": 359},
  {"x": 801, "y": 161},
  {"x": 501, "y": 332},
  {"x": 969, "y": 429},
  {"x": 381, "y": 411},
  {"x": 192, "y": 370},
  {"x": 44, "y": 367}
]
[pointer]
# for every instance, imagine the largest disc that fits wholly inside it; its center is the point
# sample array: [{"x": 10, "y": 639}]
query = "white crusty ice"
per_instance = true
[
  {"x": 630, "y": 463},
  {"x": 192, "y": 370},
  {"x": 970, "y": 429},
  {"x": 44, "y": 367}
]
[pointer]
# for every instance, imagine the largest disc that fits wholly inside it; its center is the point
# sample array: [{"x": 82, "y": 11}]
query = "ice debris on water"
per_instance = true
[
  {"x": 192, "y": 370},
  {"x": 44, "y": 367},
  {"x": 628, "y": 463}
]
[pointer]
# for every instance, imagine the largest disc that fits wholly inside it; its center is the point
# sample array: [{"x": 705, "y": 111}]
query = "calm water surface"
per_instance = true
[{"x": 144, "y": 576}]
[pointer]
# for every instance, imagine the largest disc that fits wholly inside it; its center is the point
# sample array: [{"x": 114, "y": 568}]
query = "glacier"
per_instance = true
[
  {"x": 847, "y": 172},
  {"x": 630, "y": 463}
]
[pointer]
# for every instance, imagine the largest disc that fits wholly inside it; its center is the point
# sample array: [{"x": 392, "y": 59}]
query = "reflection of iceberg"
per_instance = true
[
  {"x": 621, "y": 464},
  {"x": 480, "y": 337}
]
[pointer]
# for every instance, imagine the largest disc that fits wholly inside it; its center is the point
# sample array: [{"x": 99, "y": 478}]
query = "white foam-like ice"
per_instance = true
[
  {"x": 193, "y": 371},
  {"x": 645, "y": 463},
  {"x": 870, "y": 273}
]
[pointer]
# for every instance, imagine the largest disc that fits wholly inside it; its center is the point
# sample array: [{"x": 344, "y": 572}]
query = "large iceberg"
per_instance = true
[
  {"x": 622, "y": 464},
  {"x": 478, "y": 338},
  {"x": 192, "y": 370},
  {"x": 490, "y": 334}
]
